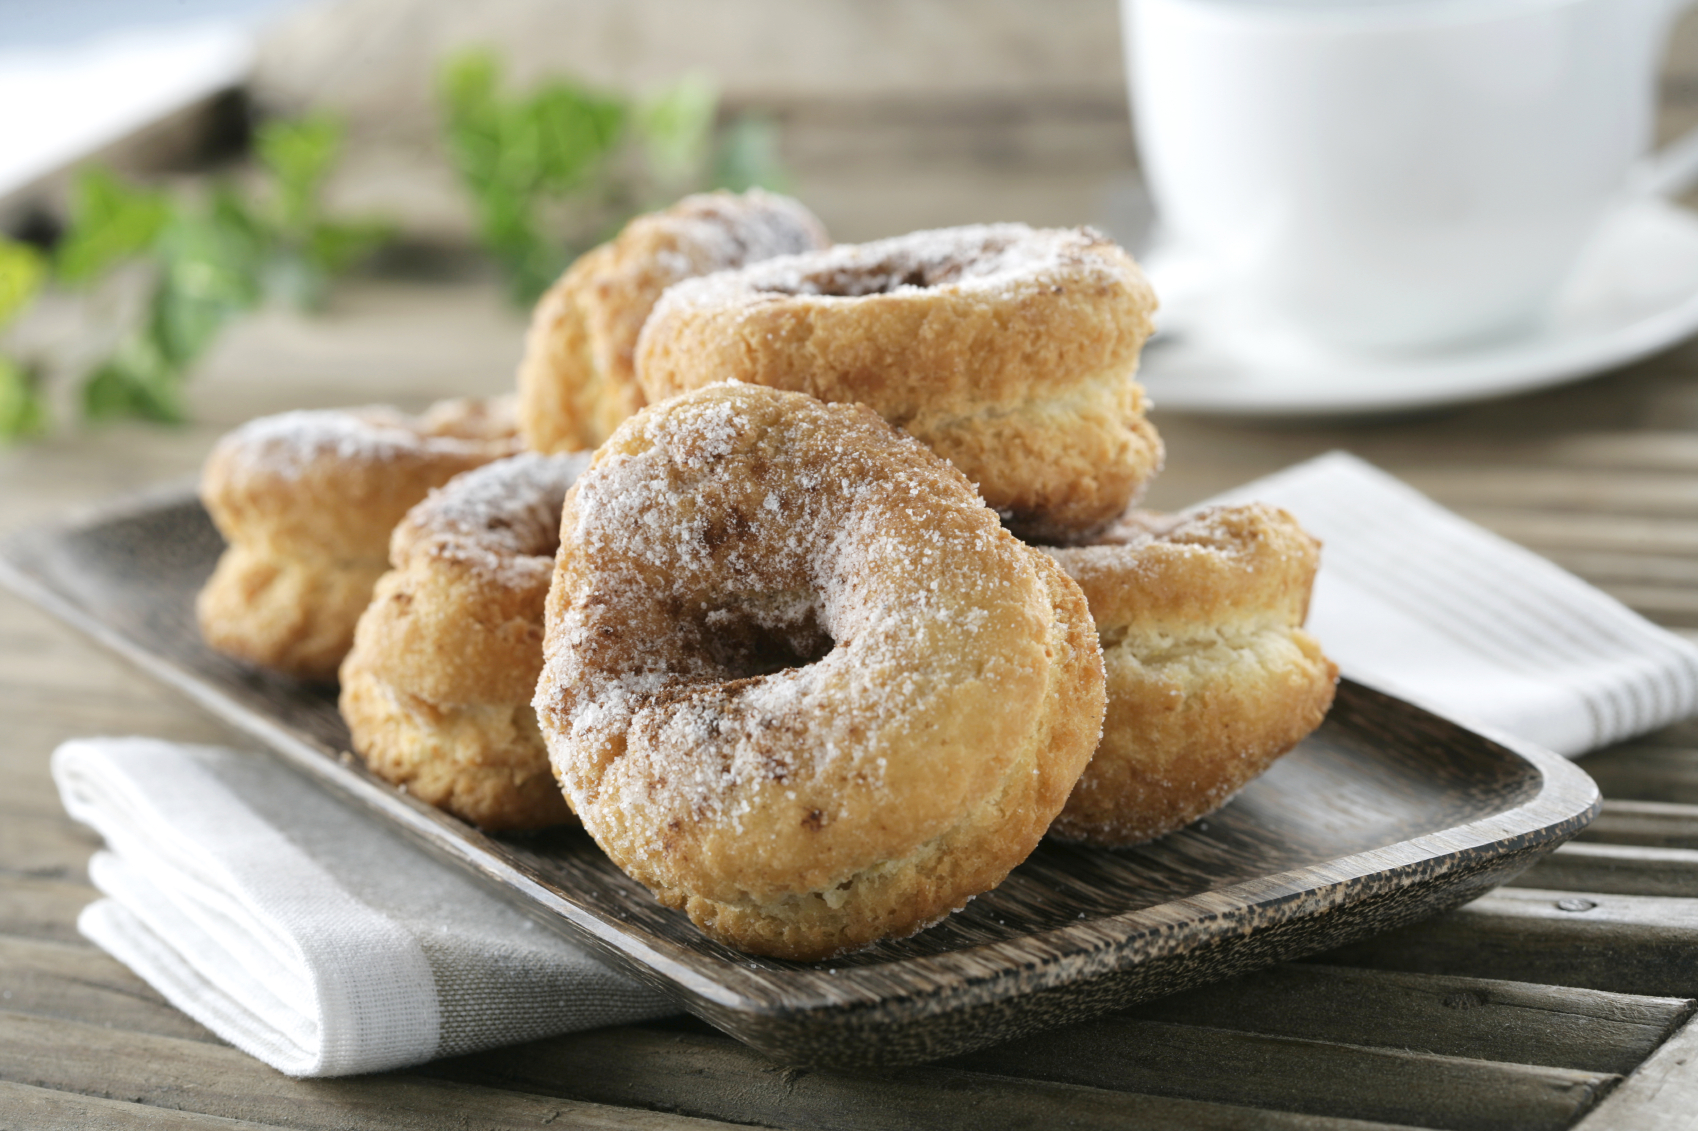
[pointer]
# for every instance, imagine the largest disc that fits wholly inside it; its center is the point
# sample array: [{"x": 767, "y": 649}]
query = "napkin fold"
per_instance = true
[
  {"x": 1415, "y": 600},
  {"x": 303, "y": 932},
  {"x": 324, "y": 944}
]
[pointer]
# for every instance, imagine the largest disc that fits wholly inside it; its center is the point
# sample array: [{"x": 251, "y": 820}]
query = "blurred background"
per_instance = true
[{"x": 376, "y": 253}]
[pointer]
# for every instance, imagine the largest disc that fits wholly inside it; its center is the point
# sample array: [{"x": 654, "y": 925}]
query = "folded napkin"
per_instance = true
[
  {"x": 302, "y": 931},
  {"x": 1416, "y": 601},
  {"x": 322, "y": 943}
]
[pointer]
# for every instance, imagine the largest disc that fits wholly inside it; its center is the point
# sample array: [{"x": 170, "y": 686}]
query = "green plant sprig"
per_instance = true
[
  {"x": 602, "y": 155},
  {"x": 22, "y": 272},
  {"x": 210, "y": 260}
]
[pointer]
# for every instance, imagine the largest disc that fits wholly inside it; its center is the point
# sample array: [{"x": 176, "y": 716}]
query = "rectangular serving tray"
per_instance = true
[{"x": 1385, "y": 815}]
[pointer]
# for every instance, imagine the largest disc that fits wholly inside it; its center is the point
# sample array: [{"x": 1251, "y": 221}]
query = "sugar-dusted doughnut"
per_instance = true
[
  {"x": 437, "y": 690},
  {"x": 798, "y": 680},
  {"x": 576, "y": 382},
  {"x": 1210, "y": 674},
  {"x": 306, "y": 501},
  {"x": 1009, "y": 351}
]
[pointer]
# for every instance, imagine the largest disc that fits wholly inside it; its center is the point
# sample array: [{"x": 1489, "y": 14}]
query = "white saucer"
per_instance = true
[{"x": 1635, "y": 292}]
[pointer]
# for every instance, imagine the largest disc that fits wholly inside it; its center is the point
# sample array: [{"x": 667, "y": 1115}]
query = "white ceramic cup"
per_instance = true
[{"x": 1391, "y": 174}]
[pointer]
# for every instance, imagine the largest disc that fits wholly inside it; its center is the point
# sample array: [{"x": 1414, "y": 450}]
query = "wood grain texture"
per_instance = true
[
  {"x": 1619, "y": 869},
  {"x": 209, "y": 1079},
  {"x": 1383, "y": 816},
  {"x": 41, "y": 909},
  {"x": 1661, "y": 1096},
  {"x": 49, "y": 979},
  {"x": 1479, "y": 1018},
  {"x": 1282, "y": 1074},
  {"x": 1621, "y": 943},
  {"x": 706, "y": 1074},
  {"x": 1657, "y": 823},
  {"x": 23, "y": 1108}
]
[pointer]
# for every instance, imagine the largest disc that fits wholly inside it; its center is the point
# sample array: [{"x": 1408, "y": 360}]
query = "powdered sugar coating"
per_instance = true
[
  {"x": 994, "y": 259},
  {"x": 789, "y": 654},
  {"x": 502, "y": 519},
  {"x": 288, "y": 444}
]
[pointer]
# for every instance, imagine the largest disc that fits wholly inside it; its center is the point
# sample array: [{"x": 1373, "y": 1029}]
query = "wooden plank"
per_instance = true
[
  {"x": 1550, "y": 531},
  {"x": 1619, "y": 869},
  {"x": 80, "y": 983},
  {"x": 1662, "y": 824},
  {"x": 1666, "y": 605},
  {"x": 1678, "y": 574},
  {"x": 45, "y": 846},
  {"x": 711, "y": 1075},
  {"x": 210, "y": 1079},
  {"x": 1289, "y": 1074},
  {"x": 23, "y": 1108},
  {"x": 1661, "y": 1096},
  {"x": 1631, "y": 944},
  {"x": 42, "y": 909},
  {"x": 1556, "y": 1026},
  {"x": 1646, "y": 771},
  {"x": 1558, "y": 488}
]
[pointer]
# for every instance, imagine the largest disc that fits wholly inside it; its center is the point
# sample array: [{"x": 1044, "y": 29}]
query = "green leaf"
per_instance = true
[
  {"x": 748, "y": 156},
  {"x": 110, "y": 222},
  {"x": 571, "y": 129},
  {"x": 676, "y": 127},
  {"x": 21, "y": 412},
  {"x": 136, "y": 381},
  {"x": 298, "y": 155},
  {"x": 22, "y": 271}
]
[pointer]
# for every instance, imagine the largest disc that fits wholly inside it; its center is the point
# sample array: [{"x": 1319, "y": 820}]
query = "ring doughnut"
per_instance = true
[
  {"x": 1007, "y": 350},
  {"x": 576, "y": 381},
  {"x": 306, "y": 501},
  {"x": 1210, "y": 674},
  {"x": 799, "y": 681},
  {"x": 437, "y": 690}
]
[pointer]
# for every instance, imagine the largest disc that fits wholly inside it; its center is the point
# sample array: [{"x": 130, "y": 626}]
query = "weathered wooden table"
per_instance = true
[{"x": 1562, "y": 1000}]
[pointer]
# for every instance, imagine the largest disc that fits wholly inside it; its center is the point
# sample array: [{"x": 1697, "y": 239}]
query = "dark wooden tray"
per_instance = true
[{"x": 1385, "y": 815}]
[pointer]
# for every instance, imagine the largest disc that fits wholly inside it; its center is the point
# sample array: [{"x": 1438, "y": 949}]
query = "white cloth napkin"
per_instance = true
[
  {"x": 302, "y": 931},
  {"x": 1419, "y": 602},
  {"x": 320, "y": 942}
]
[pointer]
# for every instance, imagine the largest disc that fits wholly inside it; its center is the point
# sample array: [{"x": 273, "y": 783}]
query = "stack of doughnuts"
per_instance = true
[{"x": 851, "y": 603}]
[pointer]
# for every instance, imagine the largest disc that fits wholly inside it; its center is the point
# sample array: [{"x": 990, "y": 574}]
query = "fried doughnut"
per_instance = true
[
  {"x": 576, "y": 381},
  {"x": 799, "y": 681},
  {"x": 306, "y": 501},
  {"x": 437, "y": 690},
  {"x": 1210, "y": 674},
  {"x": 1010, "y": 352}
]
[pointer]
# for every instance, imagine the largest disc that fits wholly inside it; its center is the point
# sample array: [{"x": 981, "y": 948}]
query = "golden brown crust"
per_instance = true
[
  {"x": 1210, "y": 675},
  {"x": 576, "y": 381},
  {"x": 306, "y": 501},
  {"x": 1009, "y": 351},
  {"x": 437, "y": 689},
  {"x": 798, "y": 679}
]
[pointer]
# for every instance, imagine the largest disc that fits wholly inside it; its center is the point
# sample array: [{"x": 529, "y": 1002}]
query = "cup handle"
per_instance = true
[{"x": 1672, "y": 170}]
